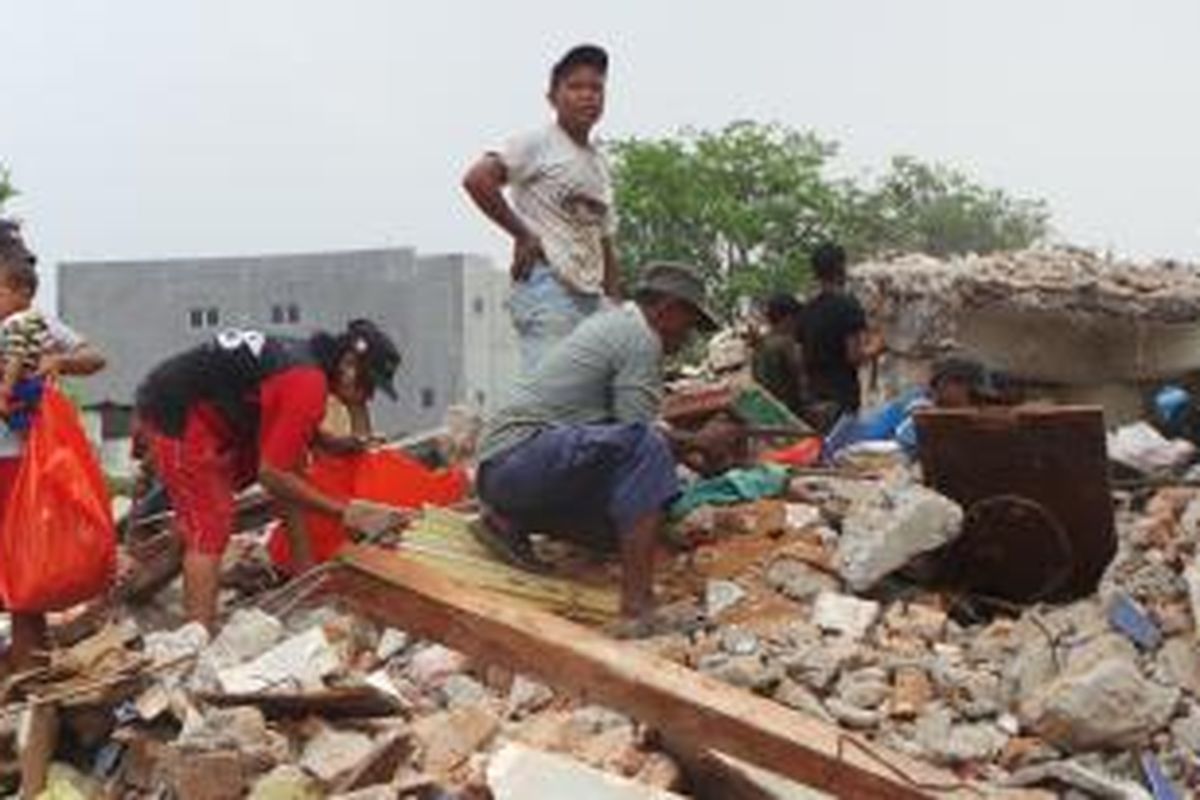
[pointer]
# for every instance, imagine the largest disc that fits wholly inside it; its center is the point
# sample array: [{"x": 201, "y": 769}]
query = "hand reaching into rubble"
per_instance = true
[
  {"x": 371, "y": 520},
  {"x": 715, "y": 448}
]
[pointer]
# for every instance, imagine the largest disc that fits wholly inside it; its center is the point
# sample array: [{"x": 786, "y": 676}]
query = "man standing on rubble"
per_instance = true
[
  {"x": 836, "y": 343},
  {"x": 561, "y": 219},
  {"x": 579, "y": 453},
  {"x": 244, "y": 407}
]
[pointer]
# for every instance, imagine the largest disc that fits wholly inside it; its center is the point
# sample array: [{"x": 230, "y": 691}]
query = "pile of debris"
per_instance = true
[
  {"x": 1101, "y": 695},
  {"x": 815, "y": 598},
  {"x": 1061, "y": 324},
  {"x": 318, "y": 703},
  {"x": 1054, "y": 280}
]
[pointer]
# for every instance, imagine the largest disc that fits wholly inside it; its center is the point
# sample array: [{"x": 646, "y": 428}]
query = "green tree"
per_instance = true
[
  {"x": 745, "y": 204},
  {"x": 934, "y": 209},
  {"x": 748, "y": 203},
  {"x": 7, "y": 190}
]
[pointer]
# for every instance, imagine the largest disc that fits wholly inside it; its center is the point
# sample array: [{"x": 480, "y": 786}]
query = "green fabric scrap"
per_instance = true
[
  {"x": 757, "y": 406},
  {"x": 734, "y": 486}
]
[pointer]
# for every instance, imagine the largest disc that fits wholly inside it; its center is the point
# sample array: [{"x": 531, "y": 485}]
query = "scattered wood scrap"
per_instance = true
[{"x": 357, "y": 702}]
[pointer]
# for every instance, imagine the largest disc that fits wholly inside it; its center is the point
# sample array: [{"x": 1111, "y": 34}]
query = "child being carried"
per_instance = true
[{"x": 25, "y": 341}]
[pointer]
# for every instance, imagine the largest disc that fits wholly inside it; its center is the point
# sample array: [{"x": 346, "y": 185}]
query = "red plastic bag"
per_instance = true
[
  {"x": 58, "y": 544},
  {"x": 385, "y": 476}
]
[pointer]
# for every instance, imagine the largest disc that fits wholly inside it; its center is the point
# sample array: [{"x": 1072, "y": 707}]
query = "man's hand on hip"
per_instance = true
[{"x": 527, "y": 252}]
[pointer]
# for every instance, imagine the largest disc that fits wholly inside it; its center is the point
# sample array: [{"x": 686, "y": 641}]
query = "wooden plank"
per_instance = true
[
  {"x": 441, "y": 539},
  {"x": 685, "y": 705},
  {"x": 157, "y": 560},
  {"x": 354, "y": 702},
  {"x": 39, "y": 740},
  {"x": 715, "y": 776},
  {"x": 380, "y": 765}
]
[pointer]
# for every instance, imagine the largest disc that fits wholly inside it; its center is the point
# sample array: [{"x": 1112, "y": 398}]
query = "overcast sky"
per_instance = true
[{"x": 145, "y": 128}]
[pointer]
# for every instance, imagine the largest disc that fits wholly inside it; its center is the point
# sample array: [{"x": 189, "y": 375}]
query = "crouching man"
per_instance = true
[{"x": 579, "y": 452}]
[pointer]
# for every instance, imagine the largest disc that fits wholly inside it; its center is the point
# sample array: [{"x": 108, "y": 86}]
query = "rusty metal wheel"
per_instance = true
[{"x": 1012, "y": 548}]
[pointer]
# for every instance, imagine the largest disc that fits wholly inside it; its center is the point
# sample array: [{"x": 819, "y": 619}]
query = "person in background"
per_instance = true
[
  {"x": 836, "y": 342},
  {"x": 580, "y": 452},
  {"x": 954, "y": 382},
  {"x": 561, "y": 217},
  {"x": 36, "y": 347},
  {"x": 246, "y": 406},
  {"x": 778, "y": 363},
  {"x": 959, "y": 382},
  {"x": 1175, "y": 413}
]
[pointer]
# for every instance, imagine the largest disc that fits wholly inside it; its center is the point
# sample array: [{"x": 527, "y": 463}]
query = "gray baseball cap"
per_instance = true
[{"x": 683, "y": 282}]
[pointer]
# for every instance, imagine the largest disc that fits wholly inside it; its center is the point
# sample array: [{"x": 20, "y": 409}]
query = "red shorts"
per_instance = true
[{"x": 201, "y": 473}]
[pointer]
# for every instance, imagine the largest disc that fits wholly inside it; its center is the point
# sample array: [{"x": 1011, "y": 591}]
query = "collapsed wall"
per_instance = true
[{"x": 1080, "y": 326}]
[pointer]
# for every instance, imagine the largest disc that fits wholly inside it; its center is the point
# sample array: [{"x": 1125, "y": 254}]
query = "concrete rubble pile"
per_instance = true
[
  {"x": 1059, "y": 324},
  {"x": 814, "y": 600},
  {"x": 1055, "y": 280},
  {"x": 1082, "y": 697},
  {"x": 321, "y": 703},
  {"x": 804, "y": 599}
]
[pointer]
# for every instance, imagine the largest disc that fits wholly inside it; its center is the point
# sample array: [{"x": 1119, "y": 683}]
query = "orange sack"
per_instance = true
[
  {"x": 58, "y": 543},
  {"x": 385, "y": 476}
]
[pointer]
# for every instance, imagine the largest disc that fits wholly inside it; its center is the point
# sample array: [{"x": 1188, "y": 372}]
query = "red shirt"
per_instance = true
[{"x": 292, "y": 405}]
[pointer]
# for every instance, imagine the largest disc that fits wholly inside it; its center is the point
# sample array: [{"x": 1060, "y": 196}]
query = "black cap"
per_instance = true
[
  {"x": 583, "y": 55},
  {"x": 378, "y": 351}
]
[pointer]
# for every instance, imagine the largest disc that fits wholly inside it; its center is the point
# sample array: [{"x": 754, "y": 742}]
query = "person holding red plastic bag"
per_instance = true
[
  {"x": 247, "y": 406},
  {"x": 55, "y": 350}
]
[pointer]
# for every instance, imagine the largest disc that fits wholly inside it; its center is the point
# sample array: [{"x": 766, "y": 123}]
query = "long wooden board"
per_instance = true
[{"x": 687, "y": 706}]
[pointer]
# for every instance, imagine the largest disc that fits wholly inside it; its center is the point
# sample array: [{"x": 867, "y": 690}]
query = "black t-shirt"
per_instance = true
[
  {"x": 829, "y": 320},
  {"x": 223, "y": 371}
]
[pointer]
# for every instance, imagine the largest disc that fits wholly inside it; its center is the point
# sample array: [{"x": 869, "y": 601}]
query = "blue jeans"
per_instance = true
[
  {"x": 593, "y": 481},
  {"x": 544, "y": 311}
]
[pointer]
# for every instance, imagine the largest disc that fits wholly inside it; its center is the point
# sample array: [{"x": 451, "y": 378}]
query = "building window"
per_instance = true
[
  {"x": 196, "y": 318},
  {"x": 427, "y": 397},
  {"x": 116, "y": 421},
  {"x": 211, "y": 318},
  {"x": 281, "y": 314},
  {"x": 479, "y": 306}
]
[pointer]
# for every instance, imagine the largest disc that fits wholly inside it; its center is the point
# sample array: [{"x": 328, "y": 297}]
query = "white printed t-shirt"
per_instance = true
[{"x": 563, "y": 192}]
